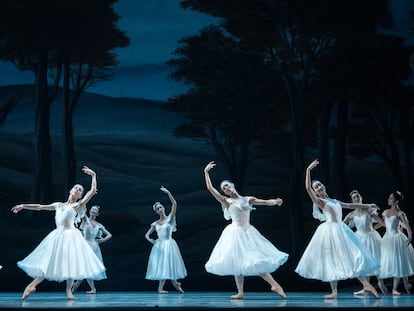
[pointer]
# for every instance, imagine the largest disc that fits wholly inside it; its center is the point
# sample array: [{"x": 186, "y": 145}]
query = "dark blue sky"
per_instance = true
[{"x": 154, "y": 28}]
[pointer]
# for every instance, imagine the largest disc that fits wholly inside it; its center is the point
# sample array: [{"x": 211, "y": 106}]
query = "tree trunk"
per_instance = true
[
  {"x": 42, "y": 188},
  {"x": 68, "y": 149},
  {"x": 340, "y": 151},
  {"x": 296, "y": 189},
  {"x": 324, "y": 142}
]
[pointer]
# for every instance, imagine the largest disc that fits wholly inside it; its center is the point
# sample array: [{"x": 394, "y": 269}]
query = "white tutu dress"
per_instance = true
[
  {"x": 91, "y": 232},
  {"x": 397, "y": 259},
  {"x": 165, "y": 261},
  {"x": 334, "y": 252},
  {"x": 63, "y": 254},
  {"x": 241, "y": 249},
  {"x": 366, "y": 234}
]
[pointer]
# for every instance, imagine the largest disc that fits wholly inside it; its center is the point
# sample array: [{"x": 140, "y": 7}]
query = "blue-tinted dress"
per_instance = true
[{"x": 334, "y": 252}]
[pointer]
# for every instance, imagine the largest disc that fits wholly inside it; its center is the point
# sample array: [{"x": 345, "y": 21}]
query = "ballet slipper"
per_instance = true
[
  {"x": 372, "y": 290},
  {"x": 408, "y": 288},
  {"x": 237, "y": 296},
  {"x": 361, "y": 292},
  {"x": 383, "y": 288},
  {"x": 28, "y": 290},
  {"x": 161, "y": 291},
  {"x": 69, "y": 295},
  {"x": 396, "y": 293},
  {"x": 91, "y": 292},
  {"x": 279, "y": 290},
  {"x": 330, "y": 296},
  {"x": 177, "y": 286}
]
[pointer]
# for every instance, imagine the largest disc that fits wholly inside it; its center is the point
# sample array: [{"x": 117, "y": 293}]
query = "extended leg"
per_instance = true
[
  {"x": 31, "y": 287},
  {"x": 275, "y": 287},
  {"x": 395, "y": 283},
  {"x": 177, "y": 286},
  {"x": 368, "y": 287}
]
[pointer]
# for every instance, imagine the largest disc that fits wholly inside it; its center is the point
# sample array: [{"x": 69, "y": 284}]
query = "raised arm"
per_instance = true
[
  {"x": 173, "y": 201},
  {"x": 92, "y": 191},
  {"x": 210, "y": 187},
  {"x": 33, "y": 207},
  {"x": 308, "y": 185}
]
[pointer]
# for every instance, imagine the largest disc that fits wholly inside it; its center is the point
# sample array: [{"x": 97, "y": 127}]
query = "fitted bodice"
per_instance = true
[
  {"x": 392, "y": 223},
  {"x": 363, "y": 223},
  {"x": 238, "y": 211},
  {"x": 91, "y": 231},
  {"x": 65, "y": 215},
  {"x": 164, "y": 231},
  {"x": 332, "y": 210}
]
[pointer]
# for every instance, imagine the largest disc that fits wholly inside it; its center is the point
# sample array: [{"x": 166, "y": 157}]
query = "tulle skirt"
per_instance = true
[
  {"x": 335, "y": 253},
  {"x": 397, "y": 259},
  {"x": 165, "y": 262},
  {"x": 244, "y": 251},
  {"x": 372, "y": 241},
  {"x": 62, "y": 255}
]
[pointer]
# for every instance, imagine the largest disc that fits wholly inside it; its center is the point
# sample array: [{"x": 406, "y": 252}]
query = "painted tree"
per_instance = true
[
  {"x": 296, "y": 37},
  {"x": 40, "y": 36},
  {"x": 230, "y": 90}
]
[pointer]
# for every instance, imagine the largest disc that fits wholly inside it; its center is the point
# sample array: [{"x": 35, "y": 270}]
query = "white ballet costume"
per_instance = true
[
  {"x": 91, "y": 232},
  {"x": 241, "y": 249},
  {"x": 397, "y": 259},
  {"x": 335, "y": 253},
  {"x": 165, "y": 261},
  {"x": 63, "y": 254},
  {"x": 366, "y": 234}
]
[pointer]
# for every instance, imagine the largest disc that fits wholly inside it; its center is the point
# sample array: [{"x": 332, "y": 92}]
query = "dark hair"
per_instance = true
[
  {"x": 398, "y": 196},
  {"x": 354, "y": 192}
]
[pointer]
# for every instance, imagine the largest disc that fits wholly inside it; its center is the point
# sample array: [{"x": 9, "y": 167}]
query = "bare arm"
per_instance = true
[
  {"x": 173, "y": 201},
  {"x": 210, "y": 187},
  {"x": 107, "y": 235},
  {"x": 308, "y": 185},
  {"x": 380, "y": 223},
  {"x": 347, "y": 218},
  {"x": 33, "y": 207},
  {"x": 357, "y": 205},
  {"x": 407, "y": 227},
  {"x": 147, "y": 235},
  {"x": 268, "y": 202},
  {"x": 92, "y": 191}
]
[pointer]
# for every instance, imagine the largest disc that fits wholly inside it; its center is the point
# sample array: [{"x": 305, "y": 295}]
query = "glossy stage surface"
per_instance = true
[{"x": 200, "y": 301}]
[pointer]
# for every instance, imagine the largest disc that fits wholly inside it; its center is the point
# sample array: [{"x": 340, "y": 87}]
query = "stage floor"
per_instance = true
[{"x": 199, "y": 301}]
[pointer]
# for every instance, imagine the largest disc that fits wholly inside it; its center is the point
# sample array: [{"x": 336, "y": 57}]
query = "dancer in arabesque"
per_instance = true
[
  {"x": 363, "y": 219},
  {"x": 397, "y": 253},
  {"x": 241, "y": 250},
  {"x": 334, "y": 253},
  {"x": 165, "y": 261},
  {"x": 63, "y": 255},
  {"x": 94, "y": 233}
]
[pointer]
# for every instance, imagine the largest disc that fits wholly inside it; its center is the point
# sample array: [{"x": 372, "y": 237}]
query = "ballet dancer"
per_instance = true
[
  {"x": 241, "y": 250},
  {"x": 165, "y": 261},
  {"x": 334, "y": 253},
  {"x": 63, "y": 255},
  {"x": 397, "y": 253},
  {"x": 363, "y": 219},
  {"x": 95, "y": 234}
]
